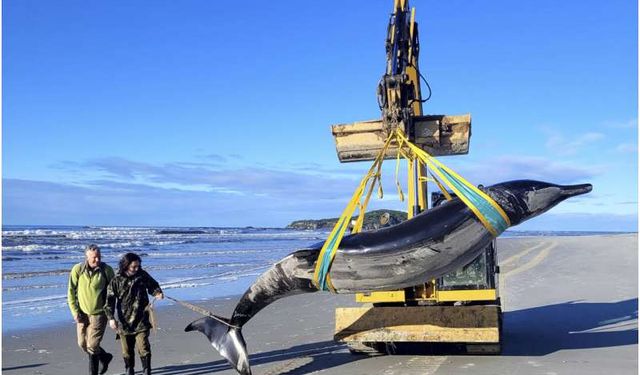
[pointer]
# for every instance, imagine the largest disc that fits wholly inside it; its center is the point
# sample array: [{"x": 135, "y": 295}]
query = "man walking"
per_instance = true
[
  {"x": 128, "y": 295},
  {"x": 86, "y": 297}
]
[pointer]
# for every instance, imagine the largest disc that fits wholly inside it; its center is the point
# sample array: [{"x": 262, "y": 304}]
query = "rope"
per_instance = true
[{"x": 202, "y": 311}]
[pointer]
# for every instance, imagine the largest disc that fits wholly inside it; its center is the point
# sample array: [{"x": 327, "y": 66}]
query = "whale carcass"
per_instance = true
[{"x": 425, "y": 247}]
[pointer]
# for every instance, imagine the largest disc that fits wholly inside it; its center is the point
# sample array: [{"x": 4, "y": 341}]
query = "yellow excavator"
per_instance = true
[{"x": 461, "y": 308}]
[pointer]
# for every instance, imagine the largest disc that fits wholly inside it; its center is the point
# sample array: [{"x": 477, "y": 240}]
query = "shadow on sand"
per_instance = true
[
  {"x": 301, "y": 359},
  {"x": 543, "y": 330},
  {"x": 571, "y": 325},
  {"x": 537, "y": 331},
  {"x": 23, "y": 367}
]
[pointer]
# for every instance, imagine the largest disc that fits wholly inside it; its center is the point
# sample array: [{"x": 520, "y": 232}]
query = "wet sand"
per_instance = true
[{"x": 570, "y": 308}]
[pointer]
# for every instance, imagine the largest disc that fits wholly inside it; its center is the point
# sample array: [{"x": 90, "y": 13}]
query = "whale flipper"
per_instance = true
[{"x": 228, "y": 341}]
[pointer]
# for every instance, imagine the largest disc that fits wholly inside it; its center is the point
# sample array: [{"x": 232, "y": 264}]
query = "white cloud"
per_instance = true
[
  {"x": 629, "y": 124},
  {"x": 109, "y": 203},
  {"x": 627, "y": 148},
  {"x": 518, "y": 167},
  {"x": 608, "y": 222},
  {"x": 115, "y": 203},
  {"x": 198, "y": 193},
  {"x": 562, "y": 145}
]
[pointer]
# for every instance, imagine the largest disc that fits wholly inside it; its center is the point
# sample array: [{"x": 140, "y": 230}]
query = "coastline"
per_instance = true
[{"x": 570, "y": 307}]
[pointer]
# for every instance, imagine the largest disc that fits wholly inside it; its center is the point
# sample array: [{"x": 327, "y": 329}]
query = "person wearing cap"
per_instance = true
[{"x": 86, "y": 297}]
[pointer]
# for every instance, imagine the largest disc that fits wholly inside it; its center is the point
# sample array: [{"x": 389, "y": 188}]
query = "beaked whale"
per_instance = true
[{"x": 429, "y": 245}]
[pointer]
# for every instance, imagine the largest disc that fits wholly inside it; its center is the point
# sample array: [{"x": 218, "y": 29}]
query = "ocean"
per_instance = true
[{"x": 189, "y": 263}]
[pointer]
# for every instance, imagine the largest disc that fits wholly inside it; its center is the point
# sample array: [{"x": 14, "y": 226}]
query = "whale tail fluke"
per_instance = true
[{"x": 227, "y": 340}]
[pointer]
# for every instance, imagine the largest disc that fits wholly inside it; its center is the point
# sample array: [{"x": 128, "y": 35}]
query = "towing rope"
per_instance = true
[
  {"x": 202, "y": 311},
  {"x": 490, "y": 214}
]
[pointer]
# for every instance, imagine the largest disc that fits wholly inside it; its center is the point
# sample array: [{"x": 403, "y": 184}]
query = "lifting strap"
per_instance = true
[
  {"x": 321, "y": 274},
  {"x": 490, "y": 214}
]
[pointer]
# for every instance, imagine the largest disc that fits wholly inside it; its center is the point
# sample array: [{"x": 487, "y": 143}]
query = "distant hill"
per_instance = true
[{"x": 371, "y": 221}]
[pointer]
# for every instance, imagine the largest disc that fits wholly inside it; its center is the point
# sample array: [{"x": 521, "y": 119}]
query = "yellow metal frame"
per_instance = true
[
  {"x": 466, "y": 295},
  {"x": 374, "y": 297},
  {"x": 438, "y": 296},
  {"x": 470, "y": 324}
]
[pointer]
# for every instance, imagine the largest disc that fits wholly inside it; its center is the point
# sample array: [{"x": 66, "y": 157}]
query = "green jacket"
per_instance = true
[
  {"x": 88, "y": 288},
  {"x": 129, "y": 296}
]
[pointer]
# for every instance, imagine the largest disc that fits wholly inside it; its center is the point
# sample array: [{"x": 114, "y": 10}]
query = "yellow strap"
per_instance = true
[
  {"x": 341, "y": 225},
  {"x": 400, "y": 193},
  {"x": 358, "y": 226},
  {"x": 471, "y": 186},
  {"x": 436, "y": 166},
  {"x": 462, "y": 197},
  {"x": 442, "y": 188},
  {"x": 411, "y": 189},
  {"x": 422, "y": 198},
  {"x": 414, "y": 154}
]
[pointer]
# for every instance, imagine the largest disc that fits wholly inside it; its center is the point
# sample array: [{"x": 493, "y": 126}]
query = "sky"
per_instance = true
[{"x": 210, "y": 113}]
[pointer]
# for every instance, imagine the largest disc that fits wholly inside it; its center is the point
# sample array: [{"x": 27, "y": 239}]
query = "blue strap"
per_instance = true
[
  {"x": 486, "y": 209},
  {"x": 325, "y": 262}
]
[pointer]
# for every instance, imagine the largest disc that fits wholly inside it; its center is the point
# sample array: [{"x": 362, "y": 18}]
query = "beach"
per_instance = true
[{"x": 570, "y": 307}]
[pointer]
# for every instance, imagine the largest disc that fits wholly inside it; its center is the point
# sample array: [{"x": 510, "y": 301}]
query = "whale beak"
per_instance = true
[{"x": 574, "y": 190}]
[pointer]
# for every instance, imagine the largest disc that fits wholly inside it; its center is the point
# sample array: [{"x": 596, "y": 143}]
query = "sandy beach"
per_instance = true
[{"x": 570, "y": 307}]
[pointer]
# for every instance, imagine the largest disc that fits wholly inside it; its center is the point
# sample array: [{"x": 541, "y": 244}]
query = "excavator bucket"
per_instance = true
[{"x": 438, "y": 135}]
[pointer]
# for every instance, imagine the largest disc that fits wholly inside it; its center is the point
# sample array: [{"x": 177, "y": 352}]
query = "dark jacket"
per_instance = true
[{"x": 129, "y": 297}]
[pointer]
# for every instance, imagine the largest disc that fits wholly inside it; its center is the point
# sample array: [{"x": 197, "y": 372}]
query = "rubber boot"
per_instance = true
[
  {"x": 146, "y": 364},
  {"x": 105, "y": 358},
  {"x": 129, "y": 364},
  {"x": 94, "y": 362}
]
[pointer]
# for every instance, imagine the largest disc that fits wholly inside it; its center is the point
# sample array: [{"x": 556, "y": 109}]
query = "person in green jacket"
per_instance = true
[
  {"x": 127, "y": 295},
  {"x": 86, "y": 297}
]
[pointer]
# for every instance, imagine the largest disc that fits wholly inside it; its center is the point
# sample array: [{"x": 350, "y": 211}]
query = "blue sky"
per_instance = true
[{"x": 205, "y": 113}]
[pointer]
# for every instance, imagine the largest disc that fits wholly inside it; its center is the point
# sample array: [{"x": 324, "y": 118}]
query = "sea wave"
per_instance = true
[
  {"x": 80, "y": 247},
  {"x": 191, "y": 261},
  {"x": 155, "y": 267},
  {"x": 209, "y": 252},
  {"x": 196, "y": 266},
  {"x": 34, "y": 300},
  {"x": 34, "y": 233},
  {"x": 186, "y": 285},
  {"x": 32, "y": 287},
  {"x": 221, "y": 276},
  {"x": 24, "y": 275}
]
